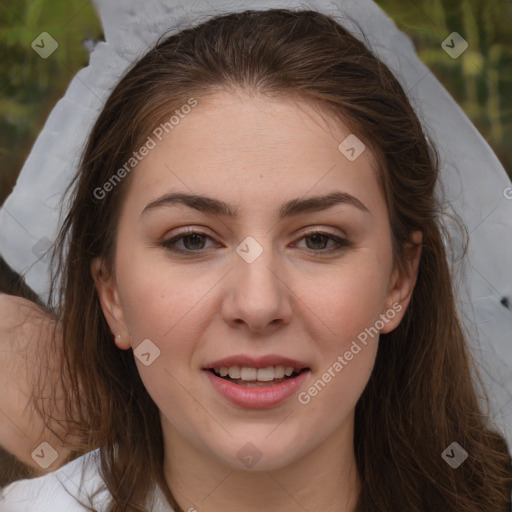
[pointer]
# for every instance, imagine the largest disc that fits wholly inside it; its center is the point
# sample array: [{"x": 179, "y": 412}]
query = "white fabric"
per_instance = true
[
  {"x": 62, "y": 490},
  {"x": 474, "y": 180}
]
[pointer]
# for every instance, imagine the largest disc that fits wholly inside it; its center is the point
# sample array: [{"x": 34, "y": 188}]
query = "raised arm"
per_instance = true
[{"x": 26, "y": 332}]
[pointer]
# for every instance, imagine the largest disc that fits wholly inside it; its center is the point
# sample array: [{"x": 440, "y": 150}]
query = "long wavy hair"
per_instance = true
[{"x": 424, "y": 391}]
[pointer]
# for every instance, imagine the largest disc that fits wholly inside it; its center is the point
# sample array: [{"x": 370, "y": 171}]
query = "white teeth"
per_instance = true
[
  {"x": 288, "y": 371},
  {"x": 278, "y": 372},
  {"x": 234, "y": 372},
  {"x": 248, "y": 373},
  {"x": 266, "y": 374},
  {"x": 255, "y": 374}
]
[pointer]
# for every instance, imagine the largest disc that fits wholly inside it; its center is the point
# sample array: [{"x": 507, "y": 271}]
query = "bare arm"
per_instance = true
[{"x": 25, "y": 335}]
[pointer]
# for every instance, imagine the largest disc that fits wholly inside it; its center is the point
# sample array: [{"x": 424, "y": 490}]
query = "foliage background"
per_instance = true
[{"x": 480, "y": 80}]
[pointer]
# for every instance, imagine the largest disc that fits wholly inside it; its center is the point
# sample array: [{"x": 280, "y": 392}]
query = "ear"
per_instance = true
[
  {"x": 401, "y": 283},
  {"x": 110, "y": 303}
]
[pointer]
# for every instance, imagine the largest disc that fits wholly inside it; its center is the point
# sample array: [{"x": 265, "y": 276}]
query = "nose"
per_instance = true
[{"x": 257, "y": 295}]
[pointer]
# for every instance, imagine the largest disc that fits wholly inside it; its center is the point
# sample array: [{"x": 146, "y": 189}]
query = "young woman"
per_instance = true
[{"x": 256, "y": 301}]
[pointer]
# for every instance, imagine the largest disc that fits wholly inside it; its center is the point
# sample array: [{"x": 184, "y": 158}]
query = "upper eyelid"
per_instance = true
[
  {"x": 303, "y": 232},
  {"x": 306, "y": 232}
]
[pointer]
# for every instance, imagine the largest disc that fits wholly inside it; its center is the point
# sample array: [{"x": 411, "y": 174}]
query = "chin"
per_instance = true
[{"x": 259, "y": 452}]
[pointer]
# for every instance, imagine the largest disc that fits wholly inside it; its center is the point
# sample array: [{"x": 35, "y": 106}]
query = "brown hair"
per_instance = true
[{"x": 420, "y": 397}]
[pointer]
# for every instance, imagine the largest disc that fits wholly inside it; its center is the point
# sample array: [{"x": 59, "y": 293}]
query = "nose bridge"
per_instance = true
[
  {"x": 259, "y": 296},
  {"x": 254, "y": 267}
]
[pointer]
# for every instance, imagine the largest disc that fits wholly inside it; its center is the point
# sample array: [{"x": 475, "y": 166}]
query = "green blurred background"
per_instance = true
[{"x": 480, "y": 80}]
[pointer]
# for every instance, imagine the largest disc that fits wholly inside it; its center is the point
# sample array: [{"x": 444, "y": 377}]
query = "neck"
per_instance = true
[{"x": 324, "y": 479}]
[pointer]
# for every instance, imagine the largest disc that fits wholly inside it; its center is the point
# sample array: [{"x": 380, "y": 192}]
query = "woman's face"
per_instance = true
[{"x": 290, "y": 267}]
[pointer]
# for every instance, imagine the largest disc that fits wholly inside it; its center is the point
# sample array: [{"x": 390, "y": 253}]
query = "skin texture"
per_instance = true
[
  {"x": 295, "y": 300},
  {"x": 25, "y": 335}
]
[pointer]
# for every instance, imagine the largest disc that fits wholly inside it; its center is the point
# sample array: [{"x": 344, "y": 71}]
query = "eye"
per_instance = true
[
  {"x": 319, "y": 240},
  {"x": 194, "y": 241}
]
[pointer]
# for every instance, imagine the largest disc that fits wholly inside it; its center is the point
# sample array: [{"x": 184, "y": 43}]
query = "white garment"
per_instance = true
[{"x": 59, "y": 491}]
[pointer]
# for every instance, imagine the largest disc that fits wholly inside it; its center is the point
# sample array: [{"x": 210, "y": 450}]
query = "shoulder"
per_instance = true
[{"x": 58, "y": 491}]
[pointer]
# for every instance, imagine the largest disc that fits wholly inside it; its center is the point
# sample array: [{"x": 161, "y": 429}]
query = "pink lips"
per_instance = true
[
  {"x": 256, "y": 397},
  {"x": 256, "y": 362}
]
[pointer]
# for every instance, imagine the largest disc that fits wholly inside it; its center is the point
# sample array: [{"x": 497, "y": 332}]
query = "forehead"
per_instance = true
[{"x": 250, "y": 148}]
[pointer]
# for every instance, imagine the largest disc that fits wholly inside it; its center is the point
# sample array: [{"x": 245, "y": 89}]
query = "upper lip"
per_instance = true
[{"x": 256, "y": 362}]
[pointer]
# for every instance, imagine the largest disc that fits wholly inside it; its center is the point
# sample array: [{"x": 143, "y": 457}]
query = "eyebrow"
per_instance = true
[{"x": 290, "y": 208}]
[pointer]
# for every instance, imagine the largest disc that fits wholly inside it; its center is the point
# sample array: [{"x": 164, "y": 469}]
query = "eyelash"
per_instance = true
[{"x": 342, "y": 243}]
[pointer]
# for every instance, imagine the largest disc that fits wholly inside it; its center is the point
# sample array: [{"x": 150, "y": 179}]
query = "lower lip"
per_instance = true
[{"x": 257, "y": 397}]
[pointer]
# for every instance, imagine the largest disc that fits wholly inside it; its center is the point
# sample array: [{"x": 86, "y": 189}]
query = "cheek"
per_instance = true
[
  {"x": 158, "y": 298},
  {"x": 347, "y": 336},
  {"x": 162, "y": 305},
  {"x": 348, "y": 299},
  {"x": 331, "y": 397}
]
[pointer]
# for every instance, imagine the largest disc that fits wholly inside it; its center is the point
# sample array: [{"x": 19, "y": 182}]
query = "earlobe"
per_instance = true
[
  {"x": 110, "y": 303},
  {"x": 402, "y": 282}
]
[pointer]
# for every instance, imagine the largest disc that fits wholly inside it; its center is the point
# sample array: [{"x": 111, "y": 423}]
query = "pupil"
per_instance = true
[
  {"x": 195, "y": 237},
  {"x": 313, "y": 237}
]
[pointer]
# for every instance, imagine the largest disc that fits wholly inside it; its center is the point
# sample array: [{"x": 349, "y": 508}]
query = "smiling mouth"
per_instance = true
[{"x": 258, "y": 377}]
